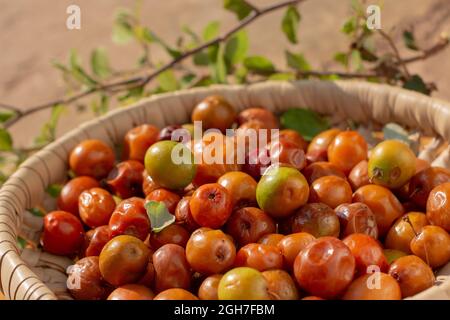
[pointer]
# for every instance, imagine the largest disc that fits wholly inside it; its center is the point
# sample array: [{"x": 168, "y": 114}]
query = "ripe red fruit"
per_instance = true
[{"x": 130, "y": 218}]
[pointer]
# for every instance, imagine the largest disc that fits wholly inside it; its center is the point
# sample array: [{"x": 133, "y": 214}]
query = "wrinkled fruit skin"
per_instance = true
[
  {"x": 130, "y": 218},
  {"x": 209, "y": 289},
  {"x": 317, "y": 219},
  {"x": 85, "y": 281},
  {"x": 68, "y": 197},
  {"x": 401, "y": 233},
  {"x": 258, "y": 256},
  {"x": 424, "y": 181},
  {"x": 320, "y": 169},
  {"x": 359, "y": 176},
  {"x": 138, "y": 140},
  {"x": 92, "y": 158},
  {"x": 123, "y": 260},
  {"x": 356, "y": 218},
  {"x": 438, "y": 206},
  {"x": 63, "y": 233},
  {"x": 126, "y": 178},
  {"x": 258, "y": 114},
  {"x": 318, "y": 148},
  {"x": 281, "y": 191},
  {"x": 170, "y": 199},
  {"x": 325, "y": 268},
  {"x": 412, "y": 274},
  {"x": 292, "y": 244},
  {"x": 280, "y": 285},
  {"x": 96, "y": 207},
  {"x": 100, "y": 237}
]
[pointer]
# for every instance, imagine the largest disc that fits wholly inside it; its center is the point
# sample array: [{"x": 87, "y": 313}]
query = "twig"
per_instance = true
[
  {"x": 337, "y": 73},
  {"x": 396, "y": 52},
  {"x": 143, "y": 80},
  {"x": 442, "y": 44}
]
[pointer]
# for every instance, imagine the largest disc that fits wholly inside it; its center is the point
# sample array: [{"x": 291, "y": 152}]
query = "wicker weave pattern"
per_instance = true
[{"x": 23, "y": 274}]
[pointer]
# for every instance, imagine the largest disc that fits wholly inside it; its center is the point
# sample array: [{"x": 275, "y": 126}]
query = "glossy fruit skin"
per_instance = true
[
  {"x": 318, "y": 147},
  {"x": 210, "y": 251},
  {"x": 346, "y": 150},
  {"x": 432, "y": 244},
  {"x": 392, "y": 255},
  {"x": 320, "y": 169},
  {"x": 85, "y": 282},
  {"x": 132, "y": 292},
  {"x": 288, "y": 153},
  {"x": 175, "y": 133},
  {"x": 175, "y": 294},
  {"x": 359, "y": 176},
  {"x": 126, "y": 178},
  {"x": 92, "y": 158},
  {"x": 183, "y": 214},
  {"x": 148, "y": 185},
  {"x": 63, "y": 233},
  {"x": 243, "y": 284},
  {"x": 412, "y": 274},
  {"x": 317, "y": 219},
  {"x": 312, "y": 298},
  {"x": 130, "y": 218},
  {"x": 325, "y": 275},
  {"x": 391, "y": 164},
  {"x": 271, "y": 239},
  {"x": 330, "y": 190},
  {"x": 424, "y": 181},
  {"x": 256, "y": 162},
  {"x": 241, "y": 186},
  {"x": 400, "y": 235},
  {"x": 359, "y": 289},
  {"x": 96, "y": 206},
  {"x": 68, "y": 197},
  {"x": 172, "y": 270},
  {"x": 383, "y": 203},
  {"x": 281, "y": 191},
  {"x": 291, "y": 245},
  {"x": 258, "y": 256},
  {"x": 214, "y": 112},
  {"x": 138, "y": 140},
  {"x": 169, "y": 198},
  {"x": 294, "y": 136},
  {"x": 211, "y": 205},
  {"x": 280, "y": 285},
  {"x": 249, "y": 224},
  {"x": 356, "y": 218},
  {"x": 209, "y": 288},
  {"x": 367, "y": 252},
  {"x": 123, "y": 260},
  {"x": 99, "y": 239},
  {"x": 262, "y": 115},
  {"x": 173, "y": 233},
  {"x": 438, "y": 206},
  {"x": 159, "y": 162}
]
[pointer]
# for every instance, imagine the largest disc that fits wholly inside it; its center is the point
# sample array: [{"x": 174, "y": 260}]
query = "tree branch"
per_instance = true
[
  {"x": 438, "y": 47},
  {"x": 143, "y": 80}
]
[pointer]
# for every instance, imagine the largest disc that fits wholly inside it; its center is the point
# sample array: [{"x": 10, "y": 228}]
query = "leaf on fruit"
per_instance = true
[
  {"x": 416, "y": 83},
  {"x": 259, "y": 64},
  {"x": 236, "y": 48},
  {"x": 6, "y": 143},
  {"x": 100, "y": 63},
  {"x": 159, "y": 216},
  {"x": 409, "y": 40},
  {"x": 297, "y": 61},
  {"x": 290, "y": 22},
  {"x": 240, "y": 7},
  {"x": 306, "y": 122}
]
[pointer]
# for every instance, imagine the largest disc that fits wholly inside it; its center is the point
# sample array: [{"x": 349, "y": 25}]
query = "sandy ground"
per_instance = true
[{"x": 33, "y": 33}]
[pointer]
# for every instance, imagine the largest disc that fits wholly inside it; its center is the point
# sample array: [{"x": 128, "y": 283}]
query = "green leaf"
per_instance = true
[
  {"x": 6, "y": 115},
  {"x": 342, "y": 58},
  {"x": 282, "y": 76},
  {"x": 54, "y": 190},
  {"x": 100, "y": 63},
  {"x": 159, "y": 216},
  {"x": 409, "y": 40},
  {"x": 150, "y": 37},
  {"x": 241, "y": 75},
  {"x": 416, "y": 83},
  {"x": 219, "y": 67},
  {"x": 122, "y": 30},
  {"x": 211, "y": 31},
  {"x": 203, "y": 82},
  {"x": 37, "y": 212},
  {"x": 297, "y": 61},
  {"x": 356, "y": 60},
  {"x": 349, "y": 26},
  {"x": 101, "y": 106},
  {"x": 78, "y": 72},
  {"x": 306, "y": 122},
  {"x": 240, "y": 7},
  {"x": 236, "y": 48},
  {"x": 290, "y": 22},
  {"x": 259, "y": 64},
  {"x": 132, "y": 95},
  {"x": 187, "y": 80},
  {"x": 6, "y": 143},
  {"x": 167, "y": 81},
  {"x": 201, "y": 59},
  {"x": 21, "y": 242},
  {"x": 48, "y": 130}
]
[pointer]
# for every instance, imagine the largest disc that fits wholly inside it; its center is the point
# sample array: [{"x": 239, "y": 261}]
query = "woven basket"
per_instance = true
[{"x": 32, "y": 274}]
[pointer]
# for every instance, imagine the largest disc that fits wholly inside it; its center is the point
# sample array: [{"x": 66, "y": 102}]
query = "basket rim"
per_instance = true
[{"x": 11, "y": 210}]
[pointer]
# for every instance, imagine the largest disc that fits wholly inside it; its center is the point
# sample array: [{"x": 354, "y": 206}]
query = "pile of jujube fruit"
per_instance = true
[{"x": 331, "y": 220}]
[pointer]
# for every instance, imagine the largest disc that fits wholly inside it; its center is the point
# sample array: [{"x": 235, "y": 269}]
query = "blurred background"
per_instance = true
[{"x": 33, "y": 33}]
